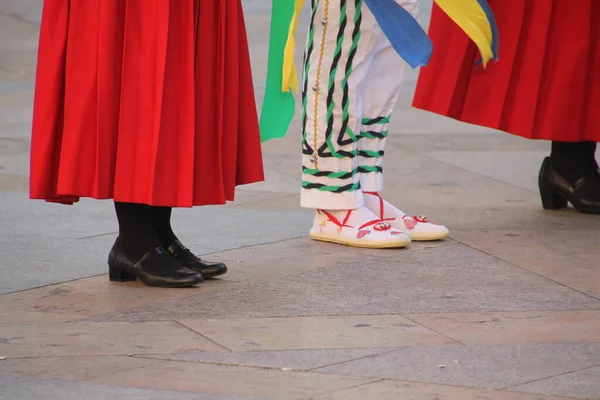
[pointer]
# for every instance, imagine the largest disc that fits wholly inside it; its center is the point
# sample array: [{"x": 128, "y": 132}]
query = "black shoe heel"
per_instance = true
[
  {"x": 550, "y": 199},
  {"x": 556, "y": 191},
  {"x": 118, "y": 274}
]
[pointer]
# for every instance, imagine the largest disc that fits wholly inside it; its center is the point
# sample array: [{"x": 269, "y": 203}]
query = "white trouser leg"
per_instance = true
[{"x": 338, "y": 53}]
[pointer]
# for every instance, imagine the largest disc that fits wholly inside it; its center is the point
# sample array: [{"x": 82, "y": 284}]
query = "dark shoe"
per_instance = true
[
  {"x": 556, "y": 191},
  {"x": 189, "y": 260},
  {"x": 157, "y": 268}
]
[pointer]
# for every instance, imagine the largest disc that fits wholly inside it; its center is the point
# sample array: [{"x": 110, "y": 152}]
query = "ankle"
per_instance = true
[
  {"x": 161, "y": 222},
  {"x": 135, "y": 250},
  {"x": 572, "y": 169},
  {"x": 574, "y": 160},
  {"x": 137, "y": 236},
  {"x": 166, "y": 239}
]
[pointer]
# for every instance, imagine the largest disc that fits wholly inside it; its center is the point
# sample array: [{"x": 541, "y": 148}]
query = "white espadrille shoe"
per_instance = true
[{"x": 357, "y": 228}]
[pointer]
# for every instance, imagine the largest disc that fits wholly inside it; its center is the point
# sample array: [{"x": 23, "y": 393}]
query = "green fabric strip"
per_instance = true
[
  {"x": 370, "y": 154},
  {"x": 278, "y": 106},
  {"x": 375, "y": 121},
  {"x": 341, "y": 174},
  {"x": 330, "y": 175},
  {"x": 373, "y": 135},
  {"x": 332, "y": 73},
  {"x": 307, "y": 54},
  {"x": 368, "y": 168},
  {"x": 331, "y": 188},
  {"x": 349, "y": 68}
]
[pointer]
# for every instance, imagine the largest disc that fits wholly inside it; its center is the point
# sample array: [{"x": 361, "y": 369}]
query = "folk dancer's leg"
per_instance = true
[{"x": 339, "y": 51}]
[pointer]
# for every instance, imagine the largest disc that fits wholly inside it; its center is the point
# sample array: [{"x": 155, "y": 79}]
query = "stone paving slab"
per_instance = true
[
  {"x": 331, "y": 332},
  {"x": 26, "y": 388},
  {"x": 391, "y": 390},
  {"x": 546, "y": 252},
  {"x": 583, "y": 384},
  {"x": 496, "y": 367},
  {"x": 232, "y": 380},
  {"x": 515, "y": 327},
  {"x": 90, "y": 339},
  {"x": 71, "y": 368}
]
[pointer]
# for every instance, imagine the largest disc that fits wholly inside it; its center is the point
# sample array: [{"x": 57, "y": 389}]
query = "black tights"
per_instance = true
[
  {"x": 143, "y": 228},
  {"x": 573, "y": 160}
]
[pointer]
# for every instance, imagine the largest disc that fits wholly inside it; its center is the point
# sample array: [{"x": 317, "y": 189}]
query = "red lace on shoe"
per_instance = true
[
  {"x": 421, "y": 218},
  {"x": 381, "y": 206},
  {"x": 333, "y": 219},
  {"x": 378, "y": 224}
]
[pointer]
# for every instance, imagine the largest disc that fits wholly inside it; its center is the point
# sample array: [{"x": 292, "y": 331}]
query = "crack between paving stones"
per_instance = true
[
  {"x": 525, "y": 269},
  {"x": 410, "y": 381},
  {"x": 433, "y": 330},
  {"x": 97, "y": 378},
  {"x": 354, "y": 359},
  {"x": 313, "y": 397},
  {"x": 202, "y": 335},
  {"x": 554, "y": 397},
  {"x": 383, "y": 350},
  {"x": 310, "y": 370},
  {"x": 97, "y": 235},
  {"x": 507, "y": 388},
  {"x": 222, "y": 363},
  {"x": 248, "y": 246},
  {"x": 262, "y": 367},
  {"x": 52, "y": 284},
  {"x": 21, "y": 19}
]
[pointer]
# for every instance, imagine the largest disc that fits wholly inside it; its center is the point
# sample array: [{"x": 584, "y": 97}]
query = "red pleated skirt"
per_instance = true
[
  {"x": 144, "y": 101},
  {"x": 546, "y": 84}
]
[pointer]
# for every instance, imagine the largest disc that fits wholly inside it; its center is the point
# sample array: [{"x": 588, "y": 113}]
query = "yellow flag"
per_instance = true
[
  {"x": 290, "y": 75},
  {"x": 472, "y": 19}
]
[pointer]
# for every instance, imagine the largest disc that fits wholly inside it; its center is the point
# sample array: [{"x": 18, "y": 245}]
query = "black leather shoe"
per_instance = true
[
  {"x": 156, "y": 268},
  {"x": 208, "y": 269},
  {"x": 556, "y": 191}
]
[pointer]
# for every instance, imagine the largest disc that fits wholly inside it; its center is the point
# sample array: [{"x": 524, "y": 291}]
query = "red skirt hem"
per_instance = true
[
  {"x": 144, "y": 101},
  {"x": 72, "y": 199},
  {"x": 545, "y": 84}
]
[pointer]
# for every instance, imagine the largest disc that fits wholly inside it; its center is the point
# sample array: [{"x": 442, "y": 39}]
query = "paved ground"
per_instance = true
[{"x": 507, "y": 309}]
